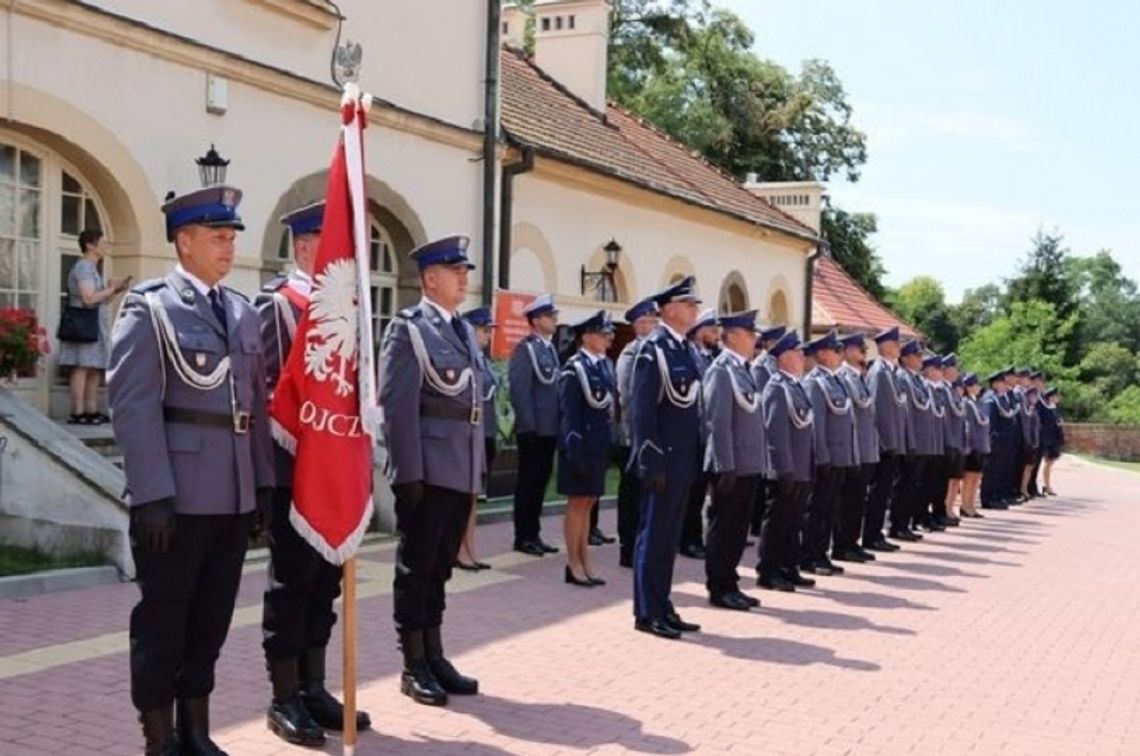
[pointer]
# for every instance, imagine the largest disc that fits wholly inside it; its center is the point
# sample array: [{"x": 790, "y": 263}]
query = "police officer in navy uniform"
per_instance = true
[
  {"x": 297, "y": 614},
  {"x": 853, "y": 498},
  {"x": 890, "y": 425},
  {"x": 951, "y": 400},
  {"x": 790, "y": 426},
  {"x": 665, "y": 427},
  {"x": 736, "y": 457},
  {"x": 909, "y": 496},
  {"x": 532, "y": 379},
  {"x": 1002, "y": 430},
  {"x": 837, "y": 455},
  {"x": 432, "y": 395},
  {"x": 187, "y": 393},
  {"x": 704, "y": 339},
  {"x": 585, "y": 399},
  {"x": 484, "y": 324},
  {"x": 643, "y": 318}
]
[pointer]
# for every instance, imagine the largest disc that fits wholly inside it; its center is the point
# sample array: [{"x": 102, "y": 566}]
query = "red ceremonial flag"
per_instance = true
[{"x": 323, "y": 407}]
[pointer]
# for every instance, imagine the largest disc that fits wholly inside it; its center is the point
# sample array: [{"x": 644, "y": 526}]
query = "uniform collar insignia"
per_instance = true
[{"x": 187, "y": 295}]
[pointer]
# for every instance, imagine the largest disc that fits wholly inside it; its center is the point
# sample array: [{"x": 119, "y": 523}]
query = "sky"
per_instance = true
[{"x": 985, "y": 122}]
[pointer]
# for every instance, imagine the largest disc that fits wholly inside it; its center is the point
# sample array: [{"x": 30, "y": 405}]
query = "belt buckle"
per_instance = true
[
  {"x": 476, "y": 415},
  {"x": 241, "y": 423}
]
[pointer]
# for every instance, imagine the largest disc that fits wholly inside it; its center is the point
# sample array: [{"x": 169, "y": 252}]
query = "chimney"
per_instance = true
[
  {"x": 571, "y": 41},
  {"x": 803, "y": 200},
  {"x": 513, "y": 29}
]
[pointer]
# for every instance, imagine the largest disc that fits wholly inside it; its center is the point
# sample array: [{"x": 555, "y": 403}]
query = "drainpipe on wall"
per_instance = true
[
  {"x": 809, "y": 275},
  {"x": 490, "y": 143},
  {"x": 506, "y": 215}
]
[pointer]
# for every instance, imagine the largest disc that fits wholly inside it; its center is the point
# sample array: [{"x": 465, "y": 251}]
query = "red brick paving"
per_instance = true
[{"x": 1019, "y": 634}]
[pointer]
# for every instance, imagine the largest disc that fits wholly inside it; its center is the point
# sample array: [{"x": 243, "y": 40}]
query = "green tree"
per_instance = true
[
  {"x": 1109, "y": 302},
  {"x": 979, "y": 307},
  {"x": 1041, "y": 276},
  {"x": 1109, "y": 368},
  {"x": 921, "y": 301},
  {"x": 1124, "y": 409},
  {"x": 848, "y": 235}
]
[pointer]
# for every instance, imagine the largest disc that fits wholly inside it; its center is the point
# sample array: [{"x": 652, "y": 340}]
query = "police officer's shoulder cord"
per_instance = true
[
  {"x": 168, "y": 346},
  {"x": 746, "y": 405},
  {"x": 680, "y": 399},
  {"x": 938, "y": 411},
  {"x": 1008, "y": 414},
  {"x": 799, "y": 420},
  {"x": 888, "y": 371},
  {"x": 854, "y": 378},
  {"x": 835, "y": 409},
  {"x": 576, "y": 365},
  {"x": 912, "y": 384},
  {"x": 979, "y": 418},
  {"x": 956, "y": 403},
  {"x": 430, "y": 374},
  {"x": 537, "y": 370},
  {"x": 491, "y": 382}
]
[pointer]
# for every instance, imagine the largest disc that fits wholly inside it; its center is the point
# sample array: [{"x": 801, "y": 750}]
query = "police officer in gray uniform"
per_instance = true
[
  {"x": 920, "y": 443},
  {"x": 704, "y": 339},
  {"x": 432, "y": 396},
  {"x": 853, "y": 499},
  {"x": 953, "y": 435},
  {"x": 532, "y": 378},
  {"x": 837, "y": 453},
  {"x": 762, "y": 367},
  {"x": 935, "y": 492},
  {"x": 297, "y": 615},
  {"x": 643, "y": 317},
  {"x": 736, "y": 457},
  {"x": 187, "y": 393},
  {"x": 790, "y": 428},
  {"x": 890, "y": 424}
]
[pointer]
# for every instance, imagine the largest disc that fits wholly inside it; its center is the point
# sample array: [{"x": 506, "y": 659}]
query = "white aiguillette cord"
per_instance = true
[{"x": 168, "y": 345}]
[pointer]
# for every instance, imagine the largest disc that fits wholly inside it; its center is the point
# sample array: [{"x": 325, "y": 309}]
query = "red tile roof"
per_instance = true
[
  {"x": 838, "y": 301},
  {"x": 539, "y": 112}
]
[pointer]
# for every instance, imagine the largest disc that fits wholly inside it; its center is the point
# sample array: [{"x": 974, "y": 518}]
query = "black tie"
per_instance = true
[
  {"x": 218, "y": 308},
  {"x": 460, "y": 331}
]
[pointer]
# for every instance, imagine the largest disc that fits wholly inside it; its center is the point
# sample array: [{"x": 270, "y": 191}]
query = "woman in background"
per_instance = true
[
  {"x": 480, "y": 320},
  {"x": 88, "y": 360},
  {"x": 977, "y": 446},
  {"x": 1052, "y": 434}
]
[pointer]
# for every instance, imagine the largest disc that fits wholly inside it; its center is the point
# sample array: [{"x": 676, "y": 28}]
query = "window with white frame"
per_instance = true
[
  {"x": 383, "y": 273},
  {"x": 21, "y": 227},
  {"x": 77, "y": 211}
]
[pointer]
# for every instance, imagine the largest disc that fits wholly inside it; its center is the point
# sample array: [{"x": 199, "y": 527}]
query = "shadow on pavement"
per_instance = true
[
  {"x": 372, "y": 742},
  {"x": 831, "y": 620},
  {"x": 779, "y": 651},
  {"x": 931, "y": 569},
  {"x": 570, "y": 725},
  {"x": 905, "y": 583},
  {"x": 951, "y": 556},
  {"x": 868, "y": 599}
]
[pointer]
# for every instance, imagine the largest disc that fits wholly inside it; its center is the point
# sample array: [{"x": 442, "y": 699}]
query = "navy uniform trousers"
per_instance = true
[{"x": 656, "y": 550}]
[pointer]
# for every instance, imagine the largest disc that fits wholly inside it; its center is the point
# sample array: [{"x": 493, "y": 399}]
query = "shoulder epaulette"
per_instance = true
[
  {"x": 145, "y": 287},
  {"x": 232, "y": 290},
  {"x": 410, "y": 313},
  {"x": 274, "y": 284}
]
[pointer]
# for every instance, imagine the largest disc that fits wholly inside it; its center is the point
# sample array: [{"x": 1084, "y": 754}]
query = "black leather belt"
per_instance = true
[
  {"x": 473, "y": 415},
  {"x": 238, "y": 422}
]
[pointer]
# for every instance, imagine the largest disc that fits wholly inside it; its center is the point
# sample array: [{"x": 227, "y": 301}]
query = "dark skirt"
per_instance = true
[
  {"x": 1050, "y": 452},
  {"x": 974, "y": 462},
  {"x": 955, "y": 464},
  {"x": 1028, "y": 455},
  {"x": 590, "y": 480}
]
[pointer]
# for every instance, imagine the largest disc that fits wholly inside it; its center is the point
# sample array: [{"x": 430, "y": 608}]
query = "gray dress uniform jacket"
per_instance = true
[
  {"x": 921, "y": 423},
  {"x": 208, "y": 469},
  {"x": 624, "y": 372},
  {"x": 278, "y": 317},
  {"x": 938, "y": 414},
  {"x": 791, "y": 434},
  {"x": 734, "y": 419},
  {"x": 834, "y": 419},
  {"x": 866, "y": 430},
  {"x": 432, "y": 402},
  {"x": 954, "y": 417},
  {"x": 1030, "y": 423},
  {"x": 890, "y": 406},
  {"x": 533, "y": 382},
  {"x": 490, "y": 388},
  {"x": 763, "y": 368},
  {"x": 977, "y": 428}
]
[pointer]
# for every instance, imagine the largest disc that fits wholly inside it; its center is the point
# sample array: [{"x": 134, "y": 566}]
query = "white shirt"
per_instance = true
[
  {"x": 301, "y": 282},
  {"x": 593, "y": 358},
  {"x": 737, "y": 356},
  {"x": 447, "y": 314},
  {"x": 673, "y": 332},
  {"x": 198, "y": 284}
]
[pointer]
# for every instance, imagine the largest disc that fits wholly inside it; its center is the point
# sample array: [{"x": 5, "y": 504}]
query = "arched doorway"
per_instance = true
[
  {"x": 778, "y": 309},
  {"x": 45, "y": 202},
  {"x": 733, "y": 294}
]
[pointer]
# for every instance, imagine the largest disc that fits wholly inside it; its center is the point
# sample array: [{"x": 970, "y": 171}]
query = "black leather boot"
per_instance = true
[
  {"x": 326, "y": 710},
  {"x": 287, "y": 717},
  {"x": 194, "y": 728},
  {"x": 417, "y": 681},
  {"x": 446, "y": 673},
  {"x": 158, "y": 731}
]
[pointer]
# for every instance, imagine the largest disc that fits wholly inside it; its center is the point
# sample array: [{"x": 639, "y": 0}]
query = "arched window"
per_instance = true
[
  {"x": 778, "y": 309},
  {"x": 383, "y": 275},
  {"x": 733, "y": 294}
]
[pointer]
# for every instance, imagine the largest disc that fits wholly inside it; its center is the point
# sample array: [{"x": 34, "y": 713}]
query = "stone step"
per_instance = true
[{"x": 99, "y": 438}]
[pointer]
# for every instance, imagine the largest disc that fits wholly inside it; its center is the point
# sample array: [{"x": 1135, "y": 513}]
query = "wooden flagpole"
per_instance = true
[{"x": 348, "y": 623}]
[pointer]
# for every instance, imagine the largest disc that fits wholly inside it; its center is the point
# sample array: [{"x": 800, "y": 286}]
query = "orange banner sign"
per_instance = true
[{"x": 512, "y": 324}]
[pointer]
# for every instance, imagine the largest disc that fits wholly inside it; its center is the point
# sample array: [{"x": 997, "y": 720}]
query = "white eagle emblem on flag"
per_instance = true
[{"x": 330, "y": 344}]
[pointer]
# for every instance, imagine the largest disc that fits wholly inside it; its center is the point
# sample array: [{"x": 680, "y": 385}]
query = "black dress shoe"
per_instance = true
[
  {"x": 730, "y": 601},
  {"x": 794, "y": 577},
  {"x": 753, "y": 602},
  {"x": 835, "y": 568},
  {"x": 473, "y": 567},
  {"x": 848, "y": 555},
  {"x": 905, "y": 534},
  {"x": 865, "y": 555},
  {"x": 658, "y": 627},
  {"x": 674, "y": 620},
  {"x": 693, "y": 551},
  {"x": 626, "y": 560},
  {"x": 775, "y": 583},
  {"x": 595, "y": 538},
  {"x": 882, "y": 545},
  {"x": 818, "y": 567},
  {"x": 533, "y": 548},
  {"x": 292, "y": 722},
  {"x": 572, "y": 579},
  {"x": 596, "y": 580},
  {"x": 546, "y": 547},
  {"x": 482, "y": 565},
  {"x": 600, "y": 536}
]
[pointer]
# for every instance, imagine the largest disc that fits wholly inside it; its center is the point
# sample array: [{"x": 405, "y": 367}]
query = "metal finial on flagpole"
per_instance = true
[{"x": 344, "y": 66}]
